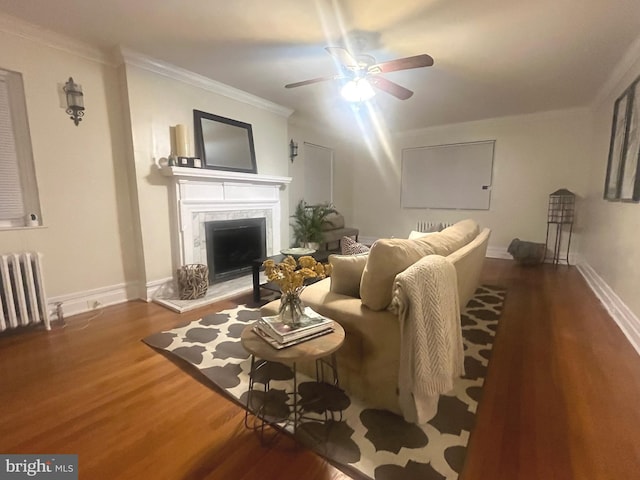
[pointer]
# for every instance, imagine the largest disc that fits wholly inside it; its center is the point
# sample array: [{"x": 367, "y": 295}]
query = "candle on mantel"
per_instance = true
[{"x": 182, "y": 141}]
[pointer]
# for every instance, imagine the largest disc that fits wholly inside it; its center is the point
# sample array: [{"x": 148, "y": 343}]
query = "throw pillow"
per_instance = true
[
  {"x": 348, "y": 246},
  {"x": 346, "y": 272},
  {"x": 387, "y": 258}
]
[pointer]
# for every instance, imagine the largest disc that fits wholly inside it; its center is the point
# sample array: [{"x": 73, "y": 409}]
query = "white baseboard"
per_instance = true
[
  {"x": 498, "y": 252},
  {"x": 501, "y": 252},
  {"x": 80, "y": 302},
  {"x": 155, "y": 288},
  {"x": 628, "y": 322}
]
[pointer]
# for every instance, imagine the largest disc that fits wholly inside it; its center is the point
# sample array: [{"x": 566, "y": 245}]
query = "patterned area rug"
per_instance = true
[{"x": 375, "y": 443}]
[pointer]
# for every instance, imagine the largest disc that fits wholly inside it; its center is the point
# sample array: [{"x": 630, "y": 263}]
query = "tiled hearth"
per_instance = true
[{"x": 202, "y": 195}]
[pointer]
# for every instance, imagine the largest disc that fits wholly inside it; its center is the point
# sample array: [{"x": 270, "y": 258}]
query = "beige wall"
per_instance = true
[
  {"x": 534, "y": 156},
  {"x": 343, "y": 154},
  {"x": 157, "y": 102},
  {"x": 611, "y": 244},
  {"x": 87, "y": 234}
]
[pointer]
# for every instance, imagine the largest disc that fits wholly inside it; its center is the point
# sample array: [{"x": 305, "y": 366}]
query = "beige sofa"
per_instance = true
[{"x": 359, "y": 293}]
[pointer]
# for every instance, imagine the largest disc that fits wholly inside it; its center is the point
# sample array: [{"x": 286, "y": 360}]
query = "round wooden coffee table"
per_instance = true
[
  {"x": 313, "y": 349},
  {"x": 317, "y": 349}
]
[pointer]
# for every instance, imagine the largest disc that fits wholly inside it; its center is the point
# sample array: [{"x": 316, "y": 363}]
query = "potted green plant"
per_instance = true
[{"x": 308, "y": 221}]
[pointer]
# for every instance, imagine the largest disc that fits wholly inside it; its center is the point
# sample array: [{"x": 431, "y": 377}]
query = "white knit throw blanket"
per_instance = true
[{"x": 431, "y": 351}]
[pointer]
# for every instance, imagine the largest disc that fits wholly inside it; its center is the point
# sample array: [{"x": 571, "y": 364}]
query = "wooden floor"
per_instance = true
[{"x": 560, "y": 401}]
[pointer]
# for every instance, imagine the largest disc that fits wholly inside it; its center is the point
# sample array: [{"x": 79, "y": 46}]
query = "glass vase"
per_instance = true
[{"x": 290, "y": 311}]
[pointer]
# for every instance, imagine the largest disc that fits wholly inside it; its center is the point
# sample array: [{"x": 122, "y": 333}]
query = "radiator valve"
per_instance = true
[{"x": 59, "y": 313}]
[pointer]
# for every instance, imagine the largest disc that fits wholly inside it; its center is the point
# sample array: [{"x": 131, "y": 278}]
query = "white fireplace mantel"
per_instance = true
[
  {"x": 204, "y": 174},
  {"x": 203, "y": 195}
]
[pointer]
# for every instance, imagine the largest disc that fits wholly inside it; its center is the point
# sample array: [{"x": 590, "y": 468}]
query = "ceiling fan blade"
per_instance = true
[
  {"x": 417, "y": 61},
  {"x": 344, "y": 57},
  {"x": 313, "y": 80},
  {"x": 390, "y": 87}
]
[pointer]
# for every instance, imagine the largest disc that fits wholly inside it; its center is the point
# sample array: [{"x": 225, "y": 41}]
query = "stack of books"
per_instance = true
[{"x": 279, "y": 335}]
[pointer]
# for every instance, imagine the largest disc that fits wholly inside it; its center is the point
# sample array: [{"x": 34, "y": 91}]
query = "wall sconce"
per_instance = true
[
  {"x": 293, "y": 150},
  {"x": 75, "y": 100}
]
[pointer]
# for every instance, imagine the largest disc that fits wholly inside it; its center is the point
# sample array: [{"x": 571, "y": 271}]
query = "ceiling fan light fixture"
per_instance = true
[{"x": 357, "y": 90}]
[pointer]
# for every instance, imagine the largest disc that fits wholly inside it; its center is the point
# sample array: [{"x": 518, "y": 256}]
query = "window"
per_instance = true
[{"x": 19, "y": 203}]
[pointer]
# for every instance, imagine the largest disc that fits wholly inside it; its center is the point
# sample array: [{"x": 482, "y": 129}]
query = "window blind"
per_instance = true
[{"x": 11, "y": 195}]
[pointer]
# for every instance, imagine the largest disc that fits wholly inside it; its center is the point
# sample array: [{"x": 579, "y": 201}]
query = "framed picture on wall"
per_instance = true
[
  {"x": 616, "y": 147},
  {"x": 629, "y": 179},
  {"x": 622, "y": 180}
]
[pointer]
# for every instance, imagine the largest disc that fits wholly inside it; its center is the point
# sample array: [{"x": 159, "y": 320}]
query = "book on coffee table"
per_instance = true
[
  {"x": 310, "y": 323},
  {"x": 278, "y": 345}
]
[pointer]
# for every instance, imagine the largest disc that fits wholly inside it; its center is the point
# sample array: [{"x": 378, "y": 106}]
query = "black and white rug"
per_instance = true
[{"x": 376, "y": 443}]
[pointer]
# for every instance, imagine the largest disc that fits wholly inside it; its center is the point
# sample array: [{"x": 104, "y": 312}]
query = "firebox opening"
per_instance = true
[{"x": 232, "y": 245}]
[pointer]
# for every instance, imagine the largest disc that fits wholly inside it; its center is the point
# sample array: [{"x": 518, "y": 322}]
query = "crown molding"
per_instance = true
[
  {"x": 505, "y": 119},
  {"x": 630, "y": 58},
  {"x": 140, "y": 60},
  {"x": 15, "y": 26}
]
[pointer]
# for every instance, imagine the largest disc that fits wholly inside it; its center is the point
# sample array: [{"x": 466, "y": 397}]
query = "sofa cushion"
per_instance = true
[
  {"x": 388, "y": 257},
  {"x": 346, "y": 273},
  {"x": 452, "y": 238},
  {"x": 348, "y": 246}
]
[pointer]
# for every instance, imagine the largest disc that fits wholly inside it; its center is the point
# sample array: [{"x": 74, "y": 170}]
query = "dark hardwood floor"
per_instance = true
[{"x": 560, "y": 400}]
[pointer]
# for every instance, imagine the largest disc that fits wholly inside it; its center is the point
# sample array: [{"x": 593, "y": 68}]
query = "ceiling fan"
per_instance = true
[{"x": 361, "y": 73}]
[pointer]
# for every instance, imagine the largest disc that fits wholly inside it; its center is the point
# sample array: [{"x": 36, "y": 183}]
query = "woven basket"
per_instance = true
[{"x": 193, "y": 281}]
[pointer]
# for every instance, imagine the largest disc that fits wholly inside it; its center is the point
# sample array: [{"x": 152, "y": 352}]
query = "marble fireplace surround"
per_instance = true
[{"x": 204, "y": 195}]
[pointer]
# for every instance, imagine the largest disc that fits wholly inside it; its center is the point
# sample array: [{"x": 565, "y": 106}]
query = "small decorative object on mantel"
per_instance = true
[
  {"x": 193, "y": 281},
  {"x": 181, "y": 141},
  {"x": 181, "y": 155},
  {"x": 193, "y": 162},
  {"x": 290, "y": 276}
]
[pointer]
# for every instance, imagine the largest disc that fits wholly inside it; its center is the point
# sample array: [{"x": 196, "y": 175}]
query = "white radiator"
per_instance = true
[
  {"x": 22, "y": 297},
  {"x": 430, "y": 226}
]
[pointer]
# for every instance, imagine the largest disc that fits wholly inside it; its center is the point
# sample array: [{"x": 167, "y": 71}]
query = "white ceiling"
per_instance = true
[{"x": 492, "y": 57}]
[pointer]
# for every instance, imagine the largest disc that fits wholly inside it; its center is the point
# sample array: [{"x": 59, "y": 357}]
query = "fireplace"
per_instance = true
[
  {"x": 232, "y": 245},
  {"x": 201, "y": 196}
]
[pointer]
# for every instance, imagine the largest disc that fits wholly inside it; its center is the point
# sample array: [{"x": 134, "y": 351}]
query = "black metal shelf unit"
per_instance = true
[{"x": 561, "y": 214}]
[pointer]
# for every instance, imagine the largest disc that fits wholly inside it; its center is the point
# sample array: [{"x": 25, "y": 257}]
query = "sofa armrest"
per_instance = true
[
  {"x": 368, "y": 361},
  {"x": 468, "y": 261}
]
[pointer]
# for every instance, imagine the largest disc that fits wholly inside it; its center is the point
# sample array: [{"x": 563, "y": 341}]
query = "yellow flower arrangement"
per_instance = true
[{"x": 291, "y": 274}]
